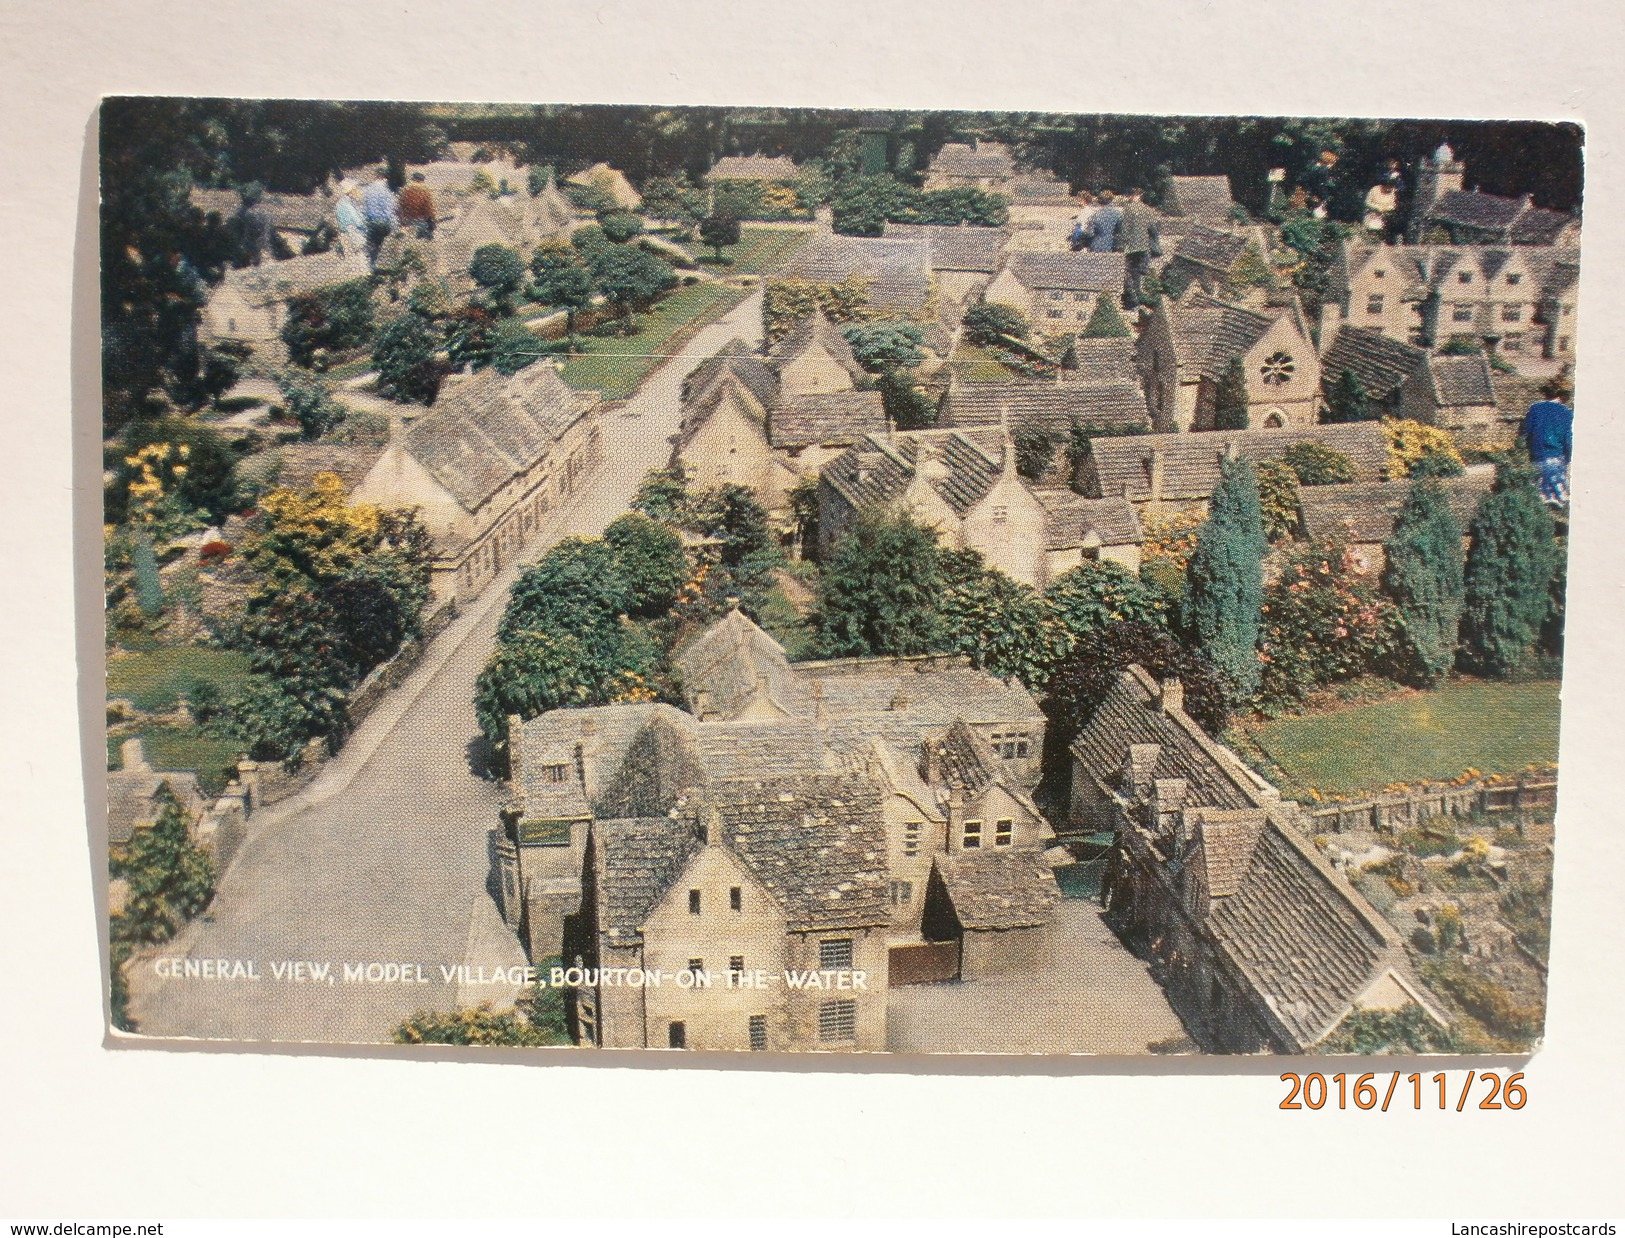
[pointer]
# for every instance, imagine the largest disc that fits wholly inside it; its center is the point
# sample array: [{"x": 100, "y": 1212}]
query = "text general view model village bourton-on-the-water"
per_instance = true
[{"x": 774, "y": 579}]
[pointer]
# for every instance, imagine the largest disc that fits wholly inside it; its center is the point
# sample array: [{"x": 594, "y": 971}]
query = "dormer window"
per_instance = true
[
  {"x": 556, "y": 773},
  {"x": 1464, "y": 277}
]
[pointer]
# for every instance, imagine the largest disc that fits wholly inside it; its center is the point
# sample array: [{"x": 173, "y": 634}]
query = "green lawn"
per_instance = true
[
  {"x": 210, "y": 757},
  {"x": 975, "y": 364},
  {"x": 615, "y": 365},
  {"x": 1495, "y": 728},
  {"x": 156, "y": 679},
  {"x": 760, "y": 250}
]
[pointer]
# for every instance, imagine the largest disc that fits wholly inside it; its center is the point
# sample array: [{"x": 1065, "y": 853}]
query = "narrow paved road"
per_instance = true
[{"x": 385, "y": 857}]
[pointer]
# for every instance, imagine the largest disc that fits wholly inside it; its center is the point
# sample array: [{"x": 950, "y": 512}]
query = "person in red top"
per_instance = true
[{"x": 416, "y": 207}]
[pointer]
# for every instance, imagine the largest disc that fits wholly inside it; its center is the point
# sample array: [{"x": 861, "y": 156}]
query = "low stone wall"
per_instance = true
[{"x": 1400, "y": 811}]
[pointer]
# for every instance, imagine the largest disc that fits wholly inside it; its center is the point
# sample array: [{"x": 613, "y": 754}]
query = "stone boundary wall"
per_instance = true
[{"x": 1411, "y": 808}]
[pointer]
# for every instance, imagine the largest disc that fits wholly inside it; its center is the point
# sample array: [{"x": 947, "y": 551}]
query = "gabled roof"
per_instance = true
[
  {"x": 1122, "y": 465},
  {"x": 487, "y": 428},
  {"x": 961, "y": 248},
  {"x": 1211, "y": 248},
  {"x": 829, "y": 419},
  {"x": 1080, "y": 272},
  {"x": 1517, "y": 219},
  {"x": 743, "y": 362},
  {"x": 1208, "y": 333},
  {"x": 275, "y": 281},
  {"x": 1380, "y": 363},
  {"x": 985, "y": 159},
  {"x": 817, "y": 842},
  {"x": 612, "y": 181},
  {"x": 1206, "y": 197},
  {"x": 1131, "y": 715},
  {"x": 1049, "y": 407},
  {"x": 897, "y": 272},
  {"x": 1102, "y": 360},
  {"x": 733, "y": 661},
  {"x": 1461, "y": 381},
  {"x": 880, "y": 469},
  {"x": 604, "y": 734},
  {"x": 1365, "y": 512},
  {"x": 638, "y": 858},
  {"x": 293, "y": 212},
  {"x": 1228, "y": 837},
  {"x": 815, "y": 332},
  {"x": 754, "y": 168},
  {"x": 999, "y": 888},
  {"x": 1072, "y": 520},
  {"x": 294, "y": 466}
]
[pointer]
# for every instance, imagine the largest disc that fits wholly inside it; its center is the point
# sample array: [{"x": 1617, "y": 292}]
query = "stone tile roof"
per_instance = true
[
  {"x": 1102, "y": 360},
  {"x": 1121, "y": 466},
  {"x": 612, "y": 181},
  {"x": 487, "y": 428},
  {"x": 836, "y": 418},
  {"x": 1040, "y": 191},
  {"x": 295, "y": 466},
  {"x": 739, "y": 359},
  {"x": 597, "y": 739},
  {"x": 999, "y": 888},
  {"x": 1209, "y": 334},
  {"x": 1461, "y": 381},
  {"x": 750, "y": 748},
  {"x": 638, "y": 859},
  {"x": 963, "y": 466},
  {"x": 897, "y": 272},
  {"x": 1071, "y": 519},
  {"x": 1380, "y": 363},
  {"x": 1206, "y": 197},
  {"x": 1081, "y": 272},
  {"x": 1538, "y": 226},
  {"x": 275, "y": 281},
  {"x": 985, "y": 159},
  {"x": 1477, "y": 210},
  {"x": 965, "y": 758},
  {"x": 1210, "y": 247},
  {"x": 1130, "y": 715},
  {"x": 900, "y": 699},
  {"x": 132, "y": 799},
  {"x": 817, "y": 842},
  {"x": 816, "y": 331},
  {"x": 292, "y": 212},
  {"x": 1051, "y": 407},
  {"x": 1305, "y": 940},
  {"x": 754, "y": 168},
  {"x": 737, "y": 664},
  {"x": 962, "y": 248},
  {"x": 1228, "y": 836},
  {"x": 1365, "y": 512}
]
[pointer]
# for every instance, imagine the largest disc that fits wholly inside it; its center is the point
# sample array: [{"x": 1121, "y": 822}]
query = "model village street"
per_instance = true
[{"x": 385, "y": 857}]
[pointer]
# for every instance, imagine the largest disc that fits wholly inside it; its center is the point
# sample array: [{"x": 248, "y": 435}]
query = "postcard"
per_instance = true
[{"x": 797, "y": 580}]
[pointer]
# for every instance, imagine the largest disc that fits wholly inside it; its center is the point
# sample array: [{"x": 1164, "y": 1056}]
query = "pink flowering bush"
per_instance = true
[{"x": 1323, "y": 622}]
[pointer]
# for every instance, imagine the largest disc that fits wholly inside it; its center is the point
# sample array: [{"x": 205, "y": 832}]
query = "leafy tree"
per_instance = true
[
  {"x": 1035, "y": 452},
  {"x": 1104, "y": 324},
  {"x": 886, "y": 345},
  {"x": 652, "y": 561},
  {"x": 476, "y": 1025},
  {"x": 908, "y": 405},
  {"x": 310, "y": 402},
  {"x": 861, "y": 205},
  {"x": 964, "y": 205},
  {"x": 1346, "y": 400},
  {"x": 803, "y": 502},
  {"x": 1437, "y": 464},
  {"x": 577, "y": 587},
  {"x": 620, "y": 226},
  {"x": 1461, "y": 346},
  {"x": 568, "y": 285},
  {"x": 630, "y": 277},
  {"x": 1417, "y": 450},
  {"x": 273, "y": 723},
  {"x": 1318, "y": 465},
  {"x": 205, "y": 482},
  {"x": 1230, "y": 398},
  {"x": 406, "y": 356},
  {"x": 368, "y": 619},
  {"x": 468, "y": 334},
  {"x": 536, "y": 179},
  {"x": 170, "y": 880},
  {"x": 663, "y": 496},
  {"x": 1510, "y": 561},
  {"x": 1424, "y": 577},
  {"x": 719, "y": 231},
  {"x": 1099, "y": 593},
  {"x": 1098, "y": 659},
  {"x": 1003, "y": 627},
  {"x": 501, "y": 272},
  {"x": 1225, "y": 580},
  {"x": 590, "y": 198},
  {"x": 531, "y": 672},
  {"x": 878, "y": 593},
  {"x": 732, "y": 515},
  {"x": 333, "y": 319},
  {"x": 674, "y": 198},
  {"x": 988, "y": 322},
  {"x": 513, "y": 346},
  {"x": 1278, "y": 499}
]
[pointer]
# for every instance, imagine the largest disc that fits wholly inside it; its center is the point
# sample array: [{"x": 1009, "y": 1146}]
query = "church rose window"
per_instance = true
[{"x": 1278, "y": 368}]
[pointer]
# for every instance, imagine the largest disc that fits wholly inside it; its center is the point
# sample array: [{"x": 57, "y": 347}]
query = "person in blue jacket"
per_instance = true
[{"x": 1548, "y": 433}]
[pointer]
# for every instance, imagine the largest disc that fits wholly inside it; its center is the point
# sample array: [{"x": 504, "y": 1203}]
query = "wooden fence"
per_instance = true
[{"x": 1536, "y": 792}]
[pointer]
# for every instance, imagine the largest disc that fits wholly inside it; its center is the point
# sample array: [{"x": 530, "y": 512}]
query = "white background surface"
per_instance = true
[{"x": 89, "y": 1131}]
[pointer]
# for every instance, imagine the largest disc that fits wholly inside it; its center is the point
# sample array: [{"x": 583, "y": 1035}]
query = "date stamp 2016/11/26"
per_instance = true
[{"x": 1316, "y": 1091}]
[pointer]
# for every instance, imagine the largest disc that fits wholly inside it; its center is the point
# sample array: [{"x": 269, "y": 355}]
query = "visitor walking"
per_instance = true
[
  {"x": 416, "y": 208},
  {"x": 378, "y": 208},
  {"x": 1548, "y": 434},
  {"x": 352, "y": 225},
  {"x": 1080, "y": 225},
  {"x": 1140, "y": 239},
  {"x": 1101, "y": 233}
]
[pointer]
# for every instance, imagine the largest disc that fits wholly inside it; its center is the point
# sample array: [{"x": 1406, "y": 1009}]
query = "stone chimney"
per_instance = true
[
  {"x": 1171, "y": 696},
  {"x": 1157, "y": 468},
  {"x": 1139, "y": 763}
]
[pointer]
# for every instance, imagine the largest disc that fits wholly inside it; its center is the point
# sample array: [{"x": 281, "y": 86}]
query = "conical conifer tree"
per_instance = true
[
  {"x": 1424, "y": 577},
  {"x": 1230, "y": 400},
  {"x": 1106, "y": 323},
  {"x": 1225, "y": 589},
  {"x": 1508, "y": 577}
]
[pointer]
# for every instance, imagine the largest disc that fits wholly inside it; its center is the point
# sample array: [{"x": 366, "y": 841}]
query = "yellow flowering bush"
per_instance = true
[{"x": 1410, "y": 442}]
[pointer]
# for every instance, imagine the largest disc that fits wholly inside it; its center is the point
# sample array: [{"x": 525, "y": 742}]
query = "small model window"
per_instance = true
[{"x": 1278, "y": 368}]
